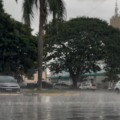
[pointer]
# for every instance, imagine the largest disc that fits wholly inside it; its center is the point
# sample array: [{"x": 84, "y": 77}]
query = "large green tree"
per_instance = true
[
  {"x": 18, "y": 48},
  {"x": 56, "y": 8},
  {"x": 79, "y": 44}
]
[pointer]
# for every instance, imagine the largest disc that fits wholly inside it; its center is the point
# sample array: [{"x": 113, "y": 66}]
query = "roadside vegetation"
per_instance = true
[
  {"x": 77, "y": 45},
  {"x": 18, "y": 47}
]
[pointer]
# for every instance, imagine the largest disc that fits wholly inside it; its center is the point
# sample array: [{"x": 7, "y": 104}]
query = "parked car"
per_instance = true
[
  {"x": 9, "y": 83},
  {"x": 117, "y": 87},
  {"x": 61, "y": 86},
  {"x": 87, "y": 86}
]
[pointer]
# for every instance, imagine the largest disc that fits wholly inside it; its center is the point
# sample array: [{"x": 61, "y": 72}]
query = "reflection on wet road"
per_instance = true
[{"x": 84, "y": 106}]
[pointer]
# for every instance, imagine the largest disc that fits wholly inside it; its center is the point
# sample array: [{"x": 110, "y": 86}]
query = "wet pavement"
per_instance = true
[{"x": 85, "y": 105}]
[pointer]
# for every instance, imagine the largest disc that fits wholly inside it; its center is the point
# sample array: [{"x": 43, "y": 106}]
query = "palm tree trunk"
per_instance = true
[{"x": 40, "y": 46}]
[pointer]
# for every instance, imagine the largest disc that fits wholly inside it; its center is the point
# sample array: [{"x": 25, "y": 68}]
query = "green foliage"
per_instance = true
[
  {"x": 111, "y": 77},
  {"x": 77, "y": 45},
  {"x": 18, "y": 48},
  {"x": 113, "y": 52},
  {"x": 1, "y": 7},
  {"x": 54, "y": 7}
]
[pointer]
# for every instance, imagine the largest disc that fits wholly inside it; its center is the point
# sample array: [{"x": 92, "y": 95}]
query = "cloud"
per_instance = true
[{"x": 103, "y": 9}]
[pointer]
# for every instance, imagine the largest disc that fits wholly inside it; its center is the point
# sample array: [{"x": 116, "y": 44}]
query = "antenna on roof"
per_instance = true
[{"x": 116, "y": 9}]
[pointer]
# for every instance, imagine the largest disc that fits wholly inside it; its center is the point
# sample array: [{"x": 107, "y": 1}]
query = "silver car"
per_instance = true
[{"x": 9, "y": 83}]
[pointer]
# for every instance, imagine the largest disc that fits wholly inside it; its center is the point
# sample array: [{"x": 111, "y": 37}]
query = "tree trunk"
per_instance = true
[
  {"x": 74, "y": 80},
  {"x": 40, "y": 46},
  {"x": 73, "y": 76}
]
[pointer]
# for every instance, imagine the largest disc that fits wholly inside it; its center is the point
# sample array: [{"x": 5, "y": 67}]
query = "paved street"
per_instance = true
[{"x": 85, "y": 105}]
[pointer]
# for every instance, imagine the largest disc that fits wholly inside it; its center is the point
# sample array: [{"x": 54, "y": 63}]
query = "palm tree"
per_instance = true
[{"x": 54, "y": 7}]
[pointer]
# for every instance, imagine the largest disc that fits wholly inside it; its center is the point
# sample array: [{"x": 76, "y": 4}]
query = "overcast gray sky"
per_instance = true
[{"x": 103, "y": 9}]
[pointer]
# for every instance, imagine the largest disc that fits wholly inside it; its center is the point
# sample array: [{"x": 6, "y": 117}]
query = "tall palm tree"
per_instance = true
[{"x": 54, "y": 7}]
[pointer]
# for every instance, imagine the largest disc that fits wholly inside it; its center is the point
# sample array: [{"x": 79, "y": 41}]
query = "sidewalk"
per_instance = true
[{"x": 32, "y": 92}]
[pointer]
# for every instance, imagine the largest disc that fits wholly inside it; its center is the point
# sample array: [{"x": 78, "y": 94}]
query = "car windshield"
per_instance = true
[{"x": 7, "y": 79}]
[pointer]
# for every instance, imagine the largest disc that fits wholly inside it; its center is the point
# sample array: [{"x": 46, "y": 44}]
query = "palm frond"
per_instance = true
[
  {"x": 28, "y": 11},
  {"x": 61, "y": 11},
  {"x": 57, "y": 8},
  {"x": 1, "y": 6}
]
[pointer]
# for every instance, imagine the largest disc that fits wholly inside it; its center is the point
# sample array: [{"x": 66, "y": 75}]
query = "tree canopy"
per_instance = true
[
  {"x": 18, "y": 47},
  {"x": 78, "y": 45},
  {"x": 1, "y": 7}
]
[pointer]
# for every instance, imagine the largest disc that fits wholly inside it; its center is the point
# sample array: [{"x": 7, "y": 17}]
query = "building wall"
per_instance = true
[
  {"x": 115, "y": 21},
  {"x": 34, "y": 79}
]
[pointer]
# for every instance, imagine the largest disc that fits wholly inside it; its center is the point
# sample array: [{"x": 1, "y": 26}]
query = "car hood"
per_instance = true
[{"x": 9, "y": 84}]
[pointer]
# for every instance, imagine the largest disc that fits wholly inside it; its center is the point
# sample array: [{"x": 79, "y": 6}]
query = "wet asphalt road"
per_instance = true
[{"x": 85, "y": 105}]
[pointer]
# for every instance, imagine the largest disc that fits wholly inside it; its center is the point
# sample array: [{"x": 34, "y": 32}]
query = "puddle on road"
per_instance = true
[{"x": 87, "y": 106}]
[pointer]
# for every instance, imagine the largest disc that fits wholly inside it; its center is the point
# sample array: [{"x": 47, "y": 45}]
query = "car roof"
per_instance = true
[{"x": 7, "y": 78}]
